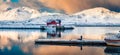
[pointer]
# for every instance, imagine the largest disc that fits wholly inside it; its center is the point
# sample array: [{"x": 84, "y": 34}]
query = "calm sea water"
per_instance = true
[{"x": 22, "y": 41}]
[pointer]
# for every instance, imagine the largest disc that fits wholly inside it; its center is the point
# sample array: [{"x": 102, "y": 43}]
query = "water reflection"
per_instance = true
[
  {"x": 54, "y": 34},
  {"x": 112, "y": 50},
  {"x": 21, "y": 42},
  {"x": 67, "y": 50}
]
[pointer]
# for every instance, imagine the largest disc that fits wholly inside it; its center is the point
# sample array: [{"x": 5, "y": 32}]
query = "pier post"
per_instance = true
[{"x": 81, "y": 37}]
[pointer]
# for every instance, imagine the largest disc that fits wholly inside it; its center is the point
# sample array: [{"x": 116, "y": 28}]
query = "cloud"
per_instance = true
[
  {"x": 72, "y": 6},
  {"x": 68, "y": 6},
  {"x": 34, "y": 4},
  {"x": 3, "y": 7},
  {"x": 27, "y": 3}
]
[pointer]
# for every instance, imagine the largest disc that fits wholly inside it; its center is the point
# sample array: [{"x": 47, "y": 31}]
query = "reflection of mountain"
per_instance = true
[
  {"x": 14, "y": 42},
  {"x": 9, "y": 38},
  {"x": 112, "y": 50},
  {"x": 67, "y": 50}
]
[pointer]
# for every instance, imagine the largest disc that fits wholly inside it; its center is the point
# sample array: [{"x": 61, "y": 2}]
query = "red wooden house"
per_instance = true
[{"x": 54, "y": 22}]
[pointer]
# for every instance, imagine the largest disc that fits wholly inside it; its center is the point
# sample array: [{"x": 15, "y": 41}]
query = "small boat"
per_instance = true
[{"x": 113, "y": 39}]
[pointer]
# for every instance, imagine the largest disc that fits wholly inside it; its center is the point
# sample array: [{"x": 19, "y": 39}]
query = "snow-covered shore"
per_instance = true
[{"x": 27, "y": 17}]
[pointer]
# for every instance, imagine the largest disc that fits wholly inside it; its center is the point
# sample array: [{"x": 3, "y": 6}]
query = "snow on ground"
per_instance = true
[
  {"x": 20, "y": 13},
  {"x": 23, "y": 16}
]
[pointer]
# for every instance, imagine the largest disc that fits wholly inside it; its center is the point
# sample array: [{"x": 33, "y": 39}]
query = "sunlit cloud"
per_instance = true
[
  {"x": 68, "y": 6},
  {"x": 72, "y": 6}
]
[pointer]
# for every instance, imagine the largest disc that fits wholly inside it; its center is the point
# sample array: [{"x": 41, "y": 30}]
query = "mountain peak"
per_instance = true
[
  {"x": 99, "y": 9},
  {"x": 19, "y": 13},
  {"x": 96, "y": 11}
]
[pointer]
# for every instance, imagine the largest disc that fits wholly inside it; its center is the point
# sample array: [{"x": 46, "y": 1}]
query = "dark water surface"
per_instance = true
[{"x": 22, "y": 42}]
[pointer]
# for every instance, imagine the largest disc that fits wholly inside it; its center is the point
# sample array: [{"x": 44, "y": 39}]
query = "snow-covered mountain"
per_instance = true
[
  {"x": 95, "y": 11},
  {"x": 20, "y": 13},
  {"x": 99, "y": 12},
  {"x": 24, "y": 16},
  {"x": 99, "y": 15}
]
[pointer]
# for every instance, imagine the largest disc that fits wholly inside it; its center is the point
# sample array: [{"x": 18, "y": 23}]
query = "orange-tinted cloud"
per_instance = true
[
  {"x": 72, "y": 6},
  {"x": 68, "y": 6}
]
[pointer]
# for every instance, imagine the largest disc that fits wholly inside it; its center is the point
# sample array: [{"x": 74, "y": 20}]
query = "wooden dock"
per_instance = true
[{"x": 71, "y": 42}]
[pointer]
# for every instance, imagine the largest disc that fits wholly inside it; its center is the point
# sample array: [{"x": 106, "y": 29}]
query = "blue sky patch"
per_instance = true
[{"x": 15, "y": 1}]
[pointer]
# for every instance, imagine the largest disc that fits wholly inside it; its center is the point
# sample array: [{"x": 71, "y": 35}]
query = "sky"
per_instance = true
[{"x": 64, "y": 6}]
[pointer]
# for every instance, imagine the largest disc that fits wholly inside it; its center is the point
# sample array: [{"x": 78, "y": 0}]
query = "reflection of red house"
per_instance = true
[
  {"x": 54, "y": 34},
  {"x": 54, "y": 22}
]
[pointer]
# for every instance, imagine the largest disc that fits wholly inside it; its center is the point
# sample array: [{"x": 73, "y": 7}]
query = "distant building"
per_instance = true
[{"x": 56, "y": 22}]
